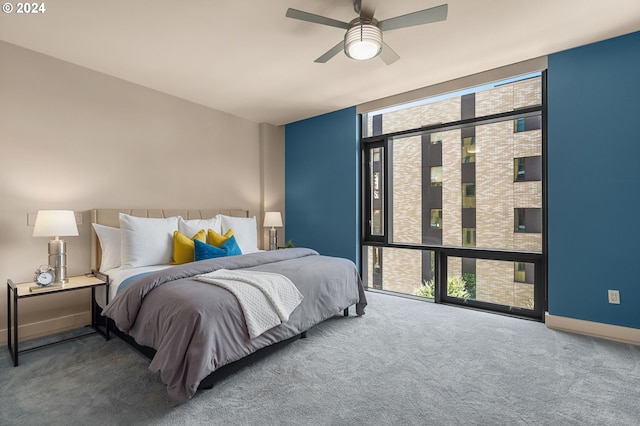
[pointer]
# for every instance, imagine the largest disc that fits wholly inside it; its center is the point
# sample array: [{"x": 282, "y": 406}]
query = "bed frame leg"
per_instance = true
[
  {"x": 303, "y": 335},
  {"x": 346, "y": 312}
]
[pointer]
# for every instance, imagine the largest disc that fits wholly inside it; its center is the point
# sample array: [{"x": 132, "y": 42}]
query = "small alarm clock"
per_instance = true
[{"x": 44, "y": 275}]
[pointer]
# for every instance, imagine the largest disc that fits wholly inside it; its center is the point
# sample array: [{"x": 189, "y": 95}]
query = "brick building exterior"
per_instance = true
[{"x": 478, "y": 186}]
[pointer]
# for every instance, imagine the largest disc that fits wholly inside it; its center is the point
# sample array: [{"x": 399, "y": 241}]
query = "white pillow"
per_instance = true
[
  {"x": 110, "y": 243},
  {"x": 146, "y": 241},
  {"x": 245, "y": 231},
  {"x": 191, "y": 227}
]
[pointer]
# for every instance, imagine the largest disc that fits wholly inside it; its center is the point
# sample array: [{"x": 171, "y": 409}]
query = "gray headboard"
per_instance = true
[{"x": 109, "y": 217}]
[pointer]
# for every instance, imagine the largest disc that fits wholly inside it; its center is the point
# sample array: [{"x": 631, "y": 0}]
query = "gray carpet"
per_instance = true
[{"x": 405, "y": 362}]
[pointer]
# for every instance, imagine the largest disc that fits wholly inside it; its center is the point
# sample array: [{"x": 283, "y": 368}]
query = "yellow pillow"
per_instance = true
[
  {"x": 183, "y": 246},
  {"x": 216, "y": 239}
]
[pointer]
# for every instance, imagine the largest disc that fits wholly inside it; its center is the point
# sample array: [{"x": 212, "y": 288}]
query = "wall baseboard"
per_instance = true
[
  {"x": 52, "y": 326},
  {"x": 593, "y": 329}
]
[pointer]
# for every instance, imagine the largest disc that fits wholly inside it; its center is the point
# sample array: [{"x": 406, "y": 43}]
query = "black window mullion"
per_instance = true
[
  {"x": 545, "y": 252},
  {"x": 440, "y": 276},
  {"x": 366, "y": 196},
  {"x": 388, "y": 184},
  {"x": 539, "y": 288}
]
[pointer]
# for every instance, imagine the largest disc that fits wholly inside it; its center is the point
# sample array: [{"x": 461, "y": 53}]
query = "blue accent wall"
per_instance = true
[
  {"x": 594, "y": 181},
  {"x": 322, "y": 184},
  {"x": 593, "y": 189}
]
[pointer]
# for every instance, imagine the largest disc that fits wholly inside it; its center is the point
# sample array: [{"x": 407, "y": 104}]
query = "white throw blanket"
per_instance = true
[{"x": 266, "y": 299}]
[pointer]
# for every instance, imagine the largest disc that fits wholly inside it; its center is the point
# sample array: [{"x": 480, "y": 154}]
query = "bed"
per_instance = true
[{"x": 192, "y": 330}]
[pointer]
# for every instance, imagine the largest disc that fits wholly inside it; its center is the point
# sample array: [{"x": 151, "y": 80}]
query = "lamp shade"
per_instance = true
[
  {"x": 55, "y": 223},
  {"x": 272, "y": 219}
]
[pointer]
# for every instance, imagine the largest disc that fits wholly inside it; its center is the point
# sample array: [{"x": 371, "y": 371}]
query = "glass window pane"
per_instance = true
[
  {"x": 436, "y": 218},
  {"x": 518, "y": 170},
  {"x": 526, "y": 124},
  {"x": 436, "y": 176},
  {"x": 493, "y": 98},
  {"x": 469, "y": 150},
  {"x": 407, "y": 189},
  {"x": 527, "y": 220},
  {"x": 468, "y": 195},
  {"x": 401, "y": 270},
  {"x": 374, "y": 262},
  {"x": 527, "y": 169},
  {"x": 469, "y": 237},
  {"x": 477, "y": 193},
  {"x": 477, "y": 186},
  {"x": 492, "y": 281},
  {"x": 376, "y": 171},
  {"x": 509, "y": 97},
  {"x": 523, "y": 272}
]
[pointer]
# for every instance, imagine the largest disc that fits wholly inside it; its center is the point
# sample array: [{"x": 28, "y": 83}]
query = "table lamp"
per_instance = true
[
  {"x": 56, "y": 224},
  {"x": 273, "y": 220}
]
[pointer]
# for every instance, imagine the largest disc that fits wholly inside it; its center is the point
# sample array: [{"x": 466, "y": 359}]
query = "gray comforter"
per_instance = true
[{"x": 196, "y": 327}]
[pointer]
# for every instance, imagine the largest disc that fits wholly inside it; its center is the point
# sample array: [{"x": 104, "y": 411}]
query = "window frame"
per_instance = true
[
  {"x": 532, "y": 163},
  {"x": 441, "y": 252},
  {"x": 367, "y": 214}
]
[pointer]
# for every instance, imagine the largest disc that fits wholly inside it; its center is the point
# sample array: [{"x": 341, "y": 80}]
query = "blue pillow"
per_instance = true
[
  {"x": 231, "y": 247},
  {"x": 203, "y": 251}
]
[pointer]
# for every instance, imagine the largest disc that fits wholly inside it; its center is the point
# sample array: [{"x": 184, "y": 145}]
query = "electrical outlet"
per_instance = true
[{"x": 614, "y": 297}]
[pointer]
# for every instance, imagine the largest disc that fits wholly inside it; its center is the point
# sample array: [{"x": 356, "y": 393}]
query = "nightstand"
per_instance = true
[{"x": 15, "y": 292}]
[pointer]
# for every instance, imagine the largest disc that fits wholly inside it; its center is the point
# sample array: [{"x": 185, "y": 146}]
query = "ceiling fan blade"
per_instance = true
[
  {"x": 368, "y": 8},
  {"x": 427, "y": 16},
  {"x": 388, "y": 55},
  {"x": 331, "y": 53},
  {"x": 316, "y": 19}
]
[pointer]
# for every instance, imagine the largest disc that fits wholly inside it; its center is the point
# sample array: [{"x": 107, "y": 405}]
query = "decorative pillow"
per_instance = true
[
  {"x": 231, "y": 247},
  {"x": 192, "y": 226},
  {"x": 216, "y": 239},
  {"x": 183, "y": 246},
  {"x": 204, "y": 251},
  {"x": 245, "y": 231},
  {"x": 109, "y": 238},
  {"x": 146, "y": 241}
]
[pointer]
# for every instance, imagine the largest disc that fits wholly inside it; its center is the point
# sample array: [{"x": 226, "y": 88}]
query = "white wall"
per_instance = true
[
  {"x": 272, "y": 154},
  {"x": 72, "y": 138}
]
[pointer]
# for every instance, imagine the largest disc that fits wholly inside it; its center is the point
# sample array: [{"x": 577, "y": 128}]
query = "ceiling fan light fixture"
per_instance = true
[{"x": 363, "y": 41}]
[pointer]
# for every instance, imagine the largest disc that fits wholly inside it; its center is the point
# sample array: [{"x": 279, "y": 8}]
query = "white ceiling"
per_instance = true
[{"x": 248, "y": 59}]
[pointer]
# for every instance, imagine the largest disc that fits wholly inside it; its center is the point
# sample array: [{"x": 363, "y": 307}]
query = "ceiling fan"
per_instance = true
[{"x": 363, "y": 39}]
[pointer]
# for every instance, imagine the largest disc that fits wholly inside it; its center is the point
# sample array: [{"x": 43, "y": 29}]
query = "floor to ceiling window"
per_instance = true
[{"x": 454, "y": 197}]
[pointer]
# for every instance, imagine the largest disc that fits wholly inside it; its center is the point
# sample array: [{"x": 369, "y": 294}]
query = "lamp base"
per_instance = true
[
  {"x": 273, "y": 239},
  {"x": 58, "y": 260}
]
